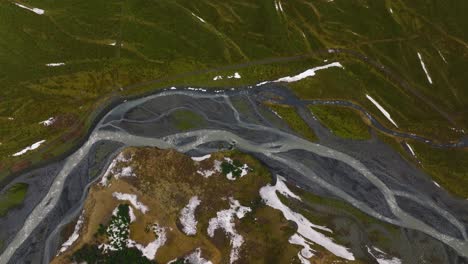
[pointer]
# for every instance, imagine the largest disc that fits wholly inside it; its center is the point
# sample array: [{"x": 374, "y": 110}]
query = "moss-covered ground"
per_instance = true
[
  {"x": 12, "y": 197},
  {"x": 342, "y": 121},
  {"x": 294, "y": 120},
  {"x": 123, "y": 48}
]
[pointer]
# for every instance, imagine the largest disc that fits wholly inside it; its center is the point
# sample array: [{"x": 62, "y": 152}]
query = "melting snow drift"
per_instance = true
[
  {"x": 35, "y": 10},
  {"x": 381, "y": 257},
  {"x": 225, "y": 220},
  {"x": 132, "y": 198},
  {"x": 32, "y": 147},
  {"x": 187, "y": 216},
  {"x": 384, "y": 112},
  {"x": 303, "y": 75},
  {"x": 429, "y": 79},
  {"x": 305, "y": 231},
  {"x": 55, "y": 64},
  {"x": 201, "y": 158},
  {"x": 48, "y": 122},
  {"x": 73, "y": 236}
]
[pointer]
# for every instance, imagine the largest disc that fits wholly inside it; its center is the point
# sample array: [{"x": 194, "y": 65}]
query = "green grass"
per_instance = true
[
  {"x": 186, "y": 120},
  {"x": 13, "y": 197},
  {"x": 448, "y": 167},
  {"x": 167, "y": 46},
  {"x": 294, "y": 121},
  {"x": 342, "y": 121}
]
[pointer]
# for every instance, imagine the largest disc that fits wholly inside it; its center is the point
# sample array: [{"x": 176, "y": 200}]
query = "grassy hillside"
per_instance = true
[{"x": 132, "y": 46}]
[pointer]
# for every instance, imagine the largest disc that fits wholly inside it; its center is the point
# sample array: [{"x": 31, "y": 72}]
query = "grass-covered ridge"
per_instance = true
[
  {"x": 342, "y": 121},
  {"x": 294, "y": 120},
  {"x": 110, "y": 47}
]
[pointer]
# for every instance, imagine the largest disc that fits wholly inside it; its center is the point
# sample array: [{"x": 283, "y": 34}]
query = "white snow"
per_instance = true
[
  {"x": 236, "y": 75},
  {"x": 384, "y": 112},
  {"x": 225, "y": 220},
  {"x": 196, "y": 89},
  {"x": 201, "y": 158},
  {"x": 187, "y": 216},
  {"x": 276, "y": 113},
  {"x": 244, "y": 170},
  {"x": 381, "y": 257},
  {"x": 411, "y": 149},
  {"x": 131, "y": 214},
  {"x": 32, "y": 147},
  {"x": 196, "y": 258},
  {"x": 73, "y": 236},
  {"x": 306, "y": 252},
  {"x": 132, "y": 198},
  {"x": 173, "y": 88},
  {"x": 113, "y": 170},
  {"x": 199, "y": 18},
  {"x": 280, "y": 6},
  {"x": 55, "y": 64},
  {"x": 207, "y": 173},
  {"x": 151, "y": 249},
  {"x": 35, "y": 10},
  {"x": 305, "y": 74},
  {"x": 305, "y": 227},
  {"x": 424, "y": 68},
  {"x": 48, "y": 122},
  {"x": 442, "y": 56}
]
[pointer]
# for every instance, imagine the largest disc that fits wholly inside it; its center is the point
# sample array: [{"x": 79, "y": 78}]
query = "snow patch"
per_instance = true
[
  {"x": 381, "y": 257},
  {"x": 56, "y": 64},
  {"x": 48, "y": 122},
  {"x": 73, "y": 236},
  {"x": 201, "y": 158},
  {"x": 442, "y": 56},
  {"x": 276, "y": 113},
  {"x": 29, "y": 148},
  {"x": 196, "y": 258},
  {"x": 244, "y": 169},
  {"x": 305, "y": 74},
  {"x": 236, "y": 75},
  {"x": 196, "y": 89},
  {"x": 411, "y": 149},
  {"x": 280, "y": 6},
  {"x": 225, "y": 220},
  {"x": 151, "y": 249},
  {"x": 305, "y": 227},
  {"x": 207, "y": 173},
  {"x": 117, "y": 172},
  {"x": 187, "y": 216},
  {"x": 199, "y": 18},
  {"x": 306, "y": 252},
  {"x": 429, "y": 79},
  {"x": 131, "y": 214},
  {"x": 132, "y": 198},
  {"x": 35, "y": 10},
  {"x": 384, "y": 112}
]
